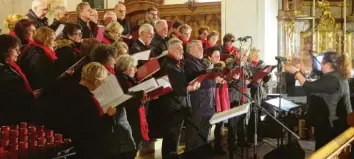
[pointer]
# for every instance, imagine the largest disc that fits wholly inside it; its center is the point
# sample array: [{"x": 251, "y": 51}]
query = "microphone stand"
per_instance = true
[
  {"x": 265, "y": 111},
  {"x": 280, "y": 96}
]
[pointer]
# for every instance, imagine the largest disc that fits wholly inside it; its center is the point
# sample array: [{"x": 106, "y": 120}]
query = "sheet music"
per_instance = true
[
  {"x": 221, "y": 116},
  {"x": 110, "y": 93},
  {"x": 143, "y": 55},
  {"x": 163, "y": 81},
  {"x": 146, "y": 86},
  {"x": 163, "y": 54},
  {"x": 59, "y": 31},
  {"x": 73, "y": 66}
]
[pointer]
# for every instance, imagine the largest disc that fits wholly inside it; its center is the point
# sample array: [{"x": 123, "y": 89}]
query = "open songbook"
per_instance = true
[
  {"x": 154, "y": 87},
  {"x": 261, "y": 73},
  {"x": 148, "y": 69},
  {"x": 227, "y": 114},
  {"x": 110, "y": 93},
  {"x": 143, "y": 55},
  {"x": 59, "y": 30}
]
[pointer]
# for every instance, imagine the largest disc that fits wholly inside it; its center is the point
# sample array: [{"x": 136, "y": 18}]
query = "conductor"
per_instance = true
[{"x": 329, "y": 96}]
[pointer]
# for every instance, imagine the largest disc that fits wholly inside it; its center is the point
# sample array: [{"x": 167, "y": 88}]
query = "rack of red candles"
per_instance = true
[{"x": 27, "y": 141}]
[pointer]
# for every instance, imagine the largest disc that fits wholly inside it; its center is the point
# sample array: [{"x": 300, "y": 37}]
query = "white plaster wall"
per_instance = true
[{"x": 256, "y": 18}]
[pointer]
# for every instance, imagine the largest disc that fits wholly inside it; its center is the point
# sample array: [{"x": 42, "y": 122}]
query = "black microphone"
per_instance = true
[
  {"x": 244, "y": 38},
  {"x": 281, "y": 59}
]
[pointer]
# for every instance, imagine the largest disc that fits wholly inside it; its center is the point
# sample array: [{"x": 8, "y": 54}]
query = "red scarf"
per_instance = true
[
  {"x": 144, "y": 128},
  {"x": 176, "y": 35},
  {"x": 12, "y": 33},
  {"x": 185, "y": 42},
  {"x": 222, "y": 98},
  {"x": 232, "y": 50},
  {"x": 98, "y": 106},
  {"x": 204, "y": 41},
  {"x": 254, "y": 63},
  {"x": 19, "y": 71},
  {"x": 110, "y": 69},
  {"x": 105, "y": 40},
  {"x": 76, "y": 50},
  {"x": 50, "y": 53},
  {"x": 207, "y": 45},
  {"x": 30, "y": 43}
]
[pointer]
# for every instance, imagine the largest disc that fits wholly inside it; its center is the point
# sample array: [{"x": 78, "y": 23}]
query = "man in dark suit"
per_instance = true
[
  {"x": 121, "y": 11},
  {"x": 146, "y": 32},
  {"x": 83, "y": 11},
  {"x": 38, "y": 13},
  {"x": 174, "y": 105},
  {"x": 61, "y": 16},
  {"x": 159, "y": 42}
]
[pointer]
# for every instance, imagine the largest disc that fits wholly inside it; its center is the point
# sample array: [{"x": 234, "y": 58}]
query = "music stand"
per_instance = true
[
  {"x": 285, "y": 104},
  {"x": 258, "y": 106},
  {"x": 227, "y": 115}
]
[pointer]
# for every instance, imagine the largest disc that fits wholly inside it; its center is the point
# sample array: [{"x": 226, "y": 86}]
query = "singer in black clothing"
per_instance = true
[
  {"x": 329, "y": 96},
  {"x": 174, "y": 105}
]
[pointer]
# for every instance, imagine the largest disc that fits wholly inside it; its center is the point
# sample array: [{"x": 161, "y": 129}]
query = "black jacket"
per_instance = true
[
  {"x": 138, "y": 46},
  {"x": 15, "y": 101},
  {"x": 38, "y": 67},
  {"x": 37, "y": 22},
  {"x": 71, "y": 110},
  {"x": 131, "y": 107},
  {"x": 126, "y": 25},
  {"x": 203, "y": 99},
  {"x": 159, "y": 45},
  {"x": 68, "y": 53},
  {"x": 87, "y": 32},
  {"x": 55, "y": 24}
]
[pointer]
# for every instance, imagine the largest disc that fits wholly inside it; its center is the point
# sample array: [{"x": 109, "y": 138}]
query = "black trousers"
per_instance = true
[
  {"x": 171, "y": 137},
  {"x": 218, "y": 135},
  {"x": 324, "y": 133}
]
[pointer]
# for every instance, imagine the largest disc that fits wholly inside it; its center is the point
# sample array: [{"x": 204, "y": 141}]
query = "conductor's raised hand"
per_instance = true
[
  {"x": 291, "y": 69},
  {"x": 111, "y": 111}
]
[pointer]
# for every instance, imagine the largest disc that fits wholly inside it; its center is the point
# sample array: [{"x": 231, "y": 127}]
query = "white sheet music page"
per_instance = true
[
  {"x": 59, "y": 31},
  {"x": 146, "y": 86},
  {"x": 163, "y": 54},
  {"x": 163, "y": 81},
  {"x": 110, "y": 93},
  {"x": 221, "y": 116},
  {"x": 144, "y": 55}
]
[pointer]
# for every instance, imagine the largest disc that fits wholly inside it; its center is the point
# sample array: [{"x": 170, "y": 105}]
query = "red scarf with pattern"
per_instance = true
[
  {"x": 232, "y": 50},
  {"x": 22, "y": 75}
]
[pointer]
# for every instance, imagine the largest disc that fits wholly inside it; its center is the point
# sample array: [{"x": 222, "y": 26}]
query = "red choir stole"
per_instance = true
[
  {"x": 98, "y": 106},
  {"x": 144, "y": 128},
  {"x": 232, "y": 50},
  {"x": 12, "y": 33},
  {"x": 48, "y": 52},
  {"x": 22, "y": 75},
  {"x": 222, "y": 98},
  {"x": 110, "y": 69},
  {"x": 204, "y": 41},
  {"x": 254, "y": 63}
]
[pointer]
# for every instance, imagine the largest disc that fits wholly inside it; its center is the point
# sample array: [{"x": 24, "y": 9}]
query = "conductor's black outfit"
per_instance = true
[{"x": 329, "y": 105}]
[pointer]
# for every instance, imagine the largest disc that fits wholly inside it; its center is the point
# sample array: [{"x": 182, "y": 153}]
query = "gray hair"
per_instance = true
[
  {"x": 36, "y": 3},
  {"x": 172, "y": 43},
  {"x": 59, "y": 9},
  {"x": 160, "y": 21},
  {"x": 124, "y": 62},
  {"x": 191, "y": 45},
  {"x": 145, "y": 28}
]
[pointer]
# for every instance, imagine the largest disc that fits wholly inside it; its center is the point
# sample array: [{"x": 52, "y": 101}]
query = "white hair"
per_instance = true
[
  {"x": 160, "y": 21},
  {"x": 145, "y": 28},
  {"x": 191, "y": 45},
  {"x": 36, "y": 3},
  {"x": 173, "y": 42},
  {"x": 59, "y": 10}
]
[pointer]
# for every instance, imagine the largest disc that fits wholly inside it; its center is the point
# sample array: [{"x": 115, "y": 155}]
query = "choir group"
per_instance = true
[{"x": 48, "y": 74}]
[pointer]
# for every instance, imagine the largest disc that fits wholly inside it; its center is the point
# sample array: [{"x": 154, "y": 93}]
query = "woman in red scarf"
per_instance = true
[
  {"x": 37, "y": 62},
  {"x": 212, "y": 39},
  {"x": 106, "y": 55},
  {"x": 16, "y": 94},
  {"x": 227, "y": 47},
  {"x": 185, "y": 32},
  {"x": 24, "y": 29},
  {"x": 113, "y": 32},
  {"x": 68, "y": 48},
  {"x": 222, "y": 101},
  {"x": 133, "y": 114},
  {"x": 203, "y": 33}
]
